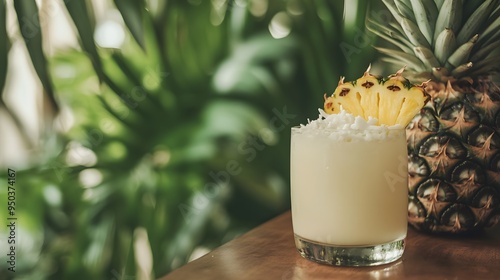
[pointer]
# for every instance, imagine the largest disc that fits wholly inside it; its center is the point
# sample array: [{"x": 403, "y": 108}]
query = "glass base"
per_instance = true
[{"x": 350, "y": 255}]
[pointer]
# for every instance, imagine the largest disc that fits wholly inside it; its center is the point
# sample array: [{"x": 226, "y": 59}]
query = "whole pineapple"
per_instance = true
[{"x": 454, "y": 142}]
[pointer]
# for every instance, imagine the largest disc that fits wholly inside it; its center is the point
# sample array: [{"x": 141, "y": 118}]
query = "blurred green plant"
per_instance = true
[{"x": 180, "y": 136}]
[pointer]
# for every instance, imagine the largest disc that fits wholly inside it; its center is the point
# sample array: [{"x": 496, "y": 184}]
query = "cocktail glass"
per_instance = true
[{"x": 349, "y": 195}]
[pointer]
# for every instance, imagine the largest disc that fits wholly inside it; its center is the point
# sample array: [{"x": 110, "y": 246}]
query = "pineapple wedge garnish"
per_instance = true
[{"x": 391, "y": 101}]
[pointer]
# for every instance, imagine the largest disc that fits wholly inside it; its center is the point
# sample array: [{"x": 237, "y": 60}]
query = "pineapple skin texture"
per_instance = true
[
  {"x": 454, "y": 158},
  {"x": 453, "y": 142}
]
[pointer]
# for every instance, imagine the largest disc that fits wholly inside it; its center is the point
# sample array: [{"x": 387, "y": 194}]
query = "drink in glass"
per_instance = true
[{"x": 349, "y": 191}]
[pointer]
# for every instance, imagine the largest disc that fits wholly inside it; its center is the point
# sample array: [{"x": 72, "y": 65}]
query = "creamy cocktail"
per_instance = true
[
  {"x": 349, "y": 172},
  {"x": 349, "y": 189}
]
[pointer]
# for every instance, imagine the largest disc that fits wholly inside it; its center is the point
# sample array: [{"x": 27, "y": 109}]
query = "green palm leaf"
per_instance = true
[
  {"x": 214, "y": 79},
  {"x": 132, "y": 13},
  {"x": 4, "y": 46},
  {"x": 27, "y": 16},
  {"x": 79, "y": 12}
]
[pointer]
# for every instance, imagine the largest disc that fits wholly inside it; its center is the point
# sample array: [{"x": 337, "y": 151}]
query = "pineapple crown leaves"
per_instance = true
[{"x": 441, "y": 39}]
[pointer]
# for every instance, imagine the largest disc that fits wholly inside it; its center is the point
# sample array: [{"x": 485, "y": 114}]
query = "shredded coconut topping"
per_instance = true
[{"x": 347, "y": 127}]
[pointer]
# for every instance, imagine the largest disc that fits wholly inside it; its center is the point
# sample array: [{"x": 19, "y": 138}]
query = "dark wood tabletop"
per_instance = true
[{"x": 268, "y": 252}]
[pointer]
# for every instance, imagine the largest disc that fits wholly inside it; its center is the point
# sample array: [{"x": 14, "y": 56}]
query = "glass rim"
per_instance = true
[{"x": 302, "y": 128}]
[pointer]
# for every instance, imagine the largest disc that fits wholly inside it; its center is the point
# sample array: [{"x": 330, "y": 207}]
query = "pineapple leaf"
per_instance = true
[
  {"x": 414, "y": 34},
  {"x": 426, "y": 56},
  {"x": 461, "y": 54},
  {"x": 482, "y": 53},
  {"x": 486, "y": 66},
  {"x": 393, "y": 61},
  {"x": 439, "y": 4},
  {"x": 458, "y": 71},
  {"x": 470, "y": 6},
  {"x": 32, "y": 36},
  {"x": 495, "y": 14},
  {"x": 489, "y": 31},
  {"x": 399, "y": 30},
  {"x": 389, "y": 30},
  {"x": 492, "y": 38},
  {"x": 391, "y": 6},
  {"x": 475, "y": 22},
  {"x": 406, "y": 2},
  {"x": 445, "y": 45},
  {"x": 450, "y": 16},
  {"x": 404, "y": 58},
  {"x": 404, "y": 10},
  {"x": 389, "y": 35},
  {"x": 426, "y": 14},
  {"x": 440, "y": 72}
]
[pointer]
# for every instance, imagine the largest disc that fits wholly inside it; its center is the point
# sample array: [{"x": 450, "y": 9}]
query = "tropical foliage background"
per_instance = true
[{"x": 165, "y": 131}]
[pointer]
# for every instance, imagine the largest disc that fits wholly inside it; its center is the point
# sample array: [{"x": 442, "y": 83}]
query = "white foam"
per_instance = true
[{"x": 347, "y": 127}]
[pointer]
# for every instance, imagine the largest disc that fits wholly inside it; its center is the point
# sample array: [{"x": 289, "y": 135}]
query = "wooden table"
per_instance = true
[{"x": 268, "y": 252}]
